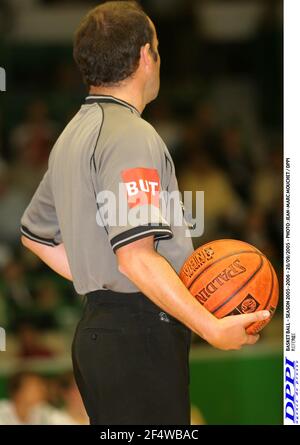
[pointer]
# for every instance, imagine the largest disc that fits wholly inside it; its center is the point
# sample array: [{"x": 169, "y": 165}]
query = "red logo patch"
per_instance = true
[{"x": 142, "y": 186}]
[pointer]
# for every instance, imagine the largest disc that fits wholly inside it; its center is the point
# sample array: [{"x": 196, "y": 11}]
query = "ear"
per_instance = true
[{"x": 145, "y": 54}]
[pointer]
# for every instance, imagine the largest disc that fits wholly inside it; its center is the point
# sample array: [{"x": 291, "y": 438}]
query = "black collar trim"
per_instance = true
[{"x": 101, "y": 98}]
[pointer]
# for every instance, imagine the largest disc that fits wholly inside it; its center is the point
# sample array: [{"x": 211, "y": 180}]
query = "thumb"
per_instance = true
[
  {"x": 252, "y": 339},
  {"x": 246, "y": 319}
]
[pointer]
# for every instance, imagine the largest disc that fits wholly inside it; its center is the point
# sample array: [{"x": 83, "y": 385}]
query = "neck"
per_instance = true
[{"x": 129, "y": 93}]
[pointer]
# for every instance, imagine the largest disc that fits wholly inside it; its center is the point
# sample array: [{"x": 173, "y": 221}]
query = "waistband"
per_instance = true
[{"x": 133, "y": 300}]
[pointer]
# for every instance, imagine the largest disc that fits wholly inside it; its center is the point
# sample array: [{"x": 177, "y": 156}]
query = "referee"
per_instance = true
[{"x": 131, "y": 346}]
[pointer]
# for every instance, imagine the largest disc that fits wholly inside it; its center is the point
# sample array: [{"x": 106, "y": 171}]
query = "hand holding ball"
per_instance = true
[{"x": 231, "y": 277}]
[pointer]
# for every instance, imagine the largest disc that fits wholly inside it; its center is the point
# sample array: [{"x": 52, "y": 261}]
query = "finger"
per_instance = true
[
  {"x": 252, "y": 339},
  {"x": 246, "y": 319}
]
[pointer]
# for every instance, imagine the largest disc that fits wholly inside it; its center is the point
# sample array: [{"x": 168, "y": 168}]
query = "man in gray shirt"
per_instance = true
[{"x": 97, "y": 219}]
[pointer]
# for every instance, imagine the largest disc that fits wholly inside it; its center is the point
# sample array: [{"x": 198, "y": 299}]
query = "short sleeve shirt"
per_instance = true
[{"x": 106, "y": 175}]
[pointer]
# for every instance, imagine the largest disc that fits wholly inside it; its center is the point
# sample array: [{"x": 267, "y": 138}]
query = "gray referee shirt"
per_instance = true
[{"x": 107, "y": 158}]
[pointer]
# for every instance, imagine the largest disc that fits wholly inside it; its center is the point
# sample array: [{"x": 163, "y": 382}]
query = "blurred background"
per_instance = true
[{"x": 220, "y": 114}]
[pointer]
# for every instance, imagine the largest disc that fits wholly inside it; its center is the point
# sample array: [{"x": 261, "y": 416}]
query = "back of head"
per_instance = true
[{"x": 108, "y": 42}]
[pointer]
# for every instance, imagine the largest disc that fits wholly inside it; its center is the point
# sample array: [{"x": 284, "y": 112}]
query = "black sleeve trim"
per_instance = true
[
  {"x": 38, "y": 239},
  {"x": 159, "y": 231}
]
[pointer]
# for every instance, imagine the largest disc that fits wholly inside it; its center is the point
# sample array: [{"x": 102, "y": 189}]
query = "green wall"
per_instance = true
[{"x": 238, "y": 388}]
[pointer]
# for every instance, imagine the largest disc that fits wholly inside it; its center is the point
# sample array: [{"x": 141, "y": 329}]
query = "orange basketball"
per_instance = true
[{"x": 230, "y": 277}]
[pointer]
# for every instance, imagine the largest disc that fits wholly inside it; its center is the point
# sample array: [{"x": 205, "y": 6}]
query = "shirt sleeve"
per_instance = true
[
  {"x": 39, "y": 221},
  {"x": 129, "y": 185}
]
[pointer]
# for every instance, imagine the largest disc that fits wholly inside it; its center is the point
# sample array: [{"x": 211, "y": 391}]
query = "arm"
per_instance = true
[
  {"x": 154, "y": 276},
  {"x": 54, "y": 257}
]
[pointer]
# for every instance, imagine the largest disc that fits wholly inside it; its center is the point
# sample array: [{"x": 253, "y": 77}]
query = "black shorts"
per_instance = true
[{"x": 131, "y": 361}]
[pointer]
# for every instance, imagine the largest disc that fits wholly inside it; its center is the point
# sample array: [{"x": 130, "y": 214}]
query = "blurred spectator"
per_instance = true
[
  {"x": 73, "y": 411},
  {"x": 220, "y": 199},
  {"x": 28, "y": 403},
  {"x": 6, "y": 18},
  {"x": 205, "y": 127},
  {"x": 166, "y": 125},
  {"x": 31, "y": 143},
  {"x": 236, "y": 161},
  {"x": 27, "y": 294},
  {"x": 16, "y": 284},
  {"x": 17, "y": 295},
  {"x": 269, "y": 65},
  {"x": 266, "y": 188},
  {"x": 169, "y": 17},
  {"x": 2, "y": 162},
  {"x": 48, "y": 302},
  {"x": 255, "y": 230},
  {"x": 30, "y": 342},
  {"x": 13, "y": 202},
  {"x": 27, "y": 392},
  {"x": 274, "y": 226},
  {"x": 67, "y": 78},
  {"x": 37, "y": 129},
  {"x": 55, "y": 307}
]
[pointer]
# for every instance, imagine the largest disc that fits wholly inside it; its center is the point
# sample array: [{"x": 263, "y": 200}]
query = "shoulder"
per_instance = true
[
  {"x": 141, "y": 130},
  {"x": 127, "y": 132},
  {"x": 121, "y": 122}
]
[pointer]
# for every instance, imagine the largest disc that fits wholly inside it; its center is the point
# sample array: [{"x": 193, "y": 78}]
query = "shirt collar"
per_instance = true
[{"x": 101, "y": 98}]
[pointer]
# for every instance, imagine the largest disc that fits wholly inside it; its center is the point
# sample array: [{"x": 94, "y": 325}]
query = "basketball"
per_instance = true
[{"x": 231, "y": 277}]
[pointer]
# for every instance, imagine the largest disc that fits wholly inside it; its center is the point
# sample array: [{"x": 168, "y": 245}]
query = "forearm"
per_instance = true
[
  {"x": 154, "y": 276},
  {"x": 54, "y": 257}
]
